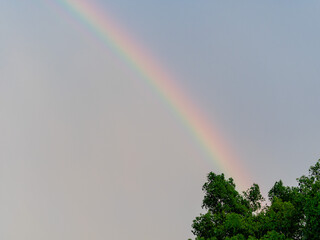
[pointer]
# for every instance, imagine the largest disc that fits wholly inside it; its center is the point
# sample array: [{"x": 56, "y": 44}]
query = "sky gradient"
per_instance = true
[{"x": 90, "y": 151}]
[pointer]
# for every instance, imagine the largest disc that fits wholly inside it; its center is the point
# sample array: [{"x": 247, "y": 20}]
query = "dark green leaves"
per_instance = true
[{"x": 294, "y": 212}]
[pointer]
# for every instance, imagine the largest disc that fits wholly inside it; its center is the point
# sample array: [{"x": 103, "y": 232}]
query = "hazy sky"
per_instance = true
[{"x": 89, "y": 151}]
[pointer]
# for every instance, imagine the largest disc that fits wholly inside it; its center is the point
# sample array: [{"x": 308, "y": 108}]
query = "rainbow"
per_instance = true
[{"x": 114, "y": 36}]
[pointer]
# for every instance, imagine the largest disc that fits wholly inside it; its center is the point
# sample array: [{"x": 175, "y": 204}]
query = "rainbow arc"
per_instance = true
[{"x": 116, "y": 38}]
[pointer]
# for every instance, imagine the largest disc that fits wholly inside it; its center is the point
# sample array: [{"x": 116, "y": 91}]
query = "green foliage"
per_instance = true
[
  {"x": 281, "y": 217},
  {"x": 221, "y": 195},
  {"x": 254, "y": 197},
  {"x": 233, "y": 223},
  {"x": 273, "y": 235},
  {"x": 294, "y": 212},
  {"x": 236, "y": 237}
]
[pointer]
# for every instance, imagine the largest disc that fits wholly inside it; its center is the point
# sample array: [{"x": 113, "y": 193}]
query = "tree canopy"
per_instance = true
[{"x": 293, "y": 212}]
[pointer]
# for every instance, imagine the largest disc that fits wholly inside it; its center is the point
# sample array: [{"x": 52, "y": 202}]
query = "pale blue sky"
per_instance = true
[{"x": 89, "y": 151}]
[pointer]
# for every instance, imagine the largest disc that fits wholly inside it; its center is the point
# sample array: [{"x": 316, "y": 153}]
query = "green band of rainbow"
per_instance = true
[{"x": 117, "y": 40}]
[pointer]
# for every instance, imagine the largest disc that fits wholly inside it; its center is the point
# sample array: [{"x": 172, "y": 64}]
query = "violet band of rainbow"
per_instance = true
[{"x": 116, "y": 38}]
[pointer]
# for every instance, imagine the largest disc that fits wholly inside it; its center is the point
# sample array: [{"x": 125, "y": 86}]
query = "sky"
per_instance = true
[{"x": 89, "y": 150}]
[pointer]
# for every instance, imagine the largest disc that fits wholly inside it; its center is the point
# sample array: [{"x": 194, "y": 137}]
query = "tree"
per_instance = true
[
  {"x": 254, "y": 197},
  {"x": 294, "y": 212},
  {"x": 309, "y": 188},
  {"x": 226, "y": 209},
  {"x": 221, "y": 196}
]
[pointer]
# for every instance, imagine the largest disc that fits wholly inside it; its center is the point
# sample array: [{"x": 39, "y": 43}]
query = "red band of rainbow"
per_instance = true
[{"x": 116, "y": 39}]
